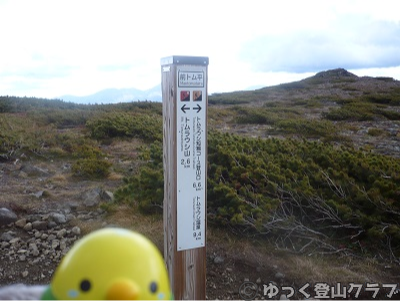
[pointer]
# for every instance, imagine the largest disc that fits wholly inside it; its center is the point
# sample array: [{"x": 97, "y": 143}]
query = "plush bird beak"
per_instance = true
[{"x": 123, "y": 289}]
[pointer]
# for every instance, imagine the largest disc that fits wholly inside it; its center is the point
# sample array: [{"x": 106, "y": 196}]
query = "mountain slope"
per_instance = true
[
  {"x": 336, "y": 84},
  {"x": 333, "y": 105}
]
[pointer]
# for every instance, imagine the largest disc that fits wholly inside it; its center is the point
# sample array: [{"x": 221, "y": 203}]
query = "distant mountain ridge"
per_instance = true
[
  {"x": 110, "y": 96},
  {"x": 113, "y": 96}
]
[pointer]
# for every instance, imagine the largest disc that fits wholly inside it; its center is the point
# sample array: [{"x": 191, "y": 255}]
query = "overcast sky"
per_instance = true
[{"x": 51, "y": 48}]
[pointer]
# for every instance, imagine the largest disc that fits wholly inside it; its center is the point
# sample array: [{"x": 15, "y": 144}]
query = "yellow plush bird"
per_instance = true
[{"x": 111, "y": 264}]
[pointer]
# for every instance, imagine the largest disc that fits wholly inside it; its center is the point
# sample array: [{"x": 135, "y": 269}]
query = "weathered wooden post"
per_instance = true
[{"x": 184, "y": 94}]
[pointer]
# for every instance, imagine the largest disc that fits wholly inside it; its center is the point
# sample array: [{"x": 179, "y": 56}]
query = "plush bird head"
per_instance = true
[{"x": 111, "y": 264}]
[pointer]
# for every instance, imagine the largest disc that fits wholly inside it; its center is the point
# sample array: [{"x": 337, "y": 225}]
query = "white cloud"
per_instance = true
[
  {"x": 50, "y": 48},
  {"x": 349, "y": 43}
]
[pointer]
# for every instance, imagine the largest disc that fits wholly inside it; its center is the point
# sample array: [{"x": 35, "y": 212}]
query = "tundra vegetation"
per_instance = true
[{"x": 283, "y": 164}]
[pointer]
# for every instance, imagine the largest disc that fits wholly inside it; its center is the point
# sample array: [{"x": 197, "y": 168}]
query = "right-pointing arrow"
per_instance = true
[{"x": 198, "y": 108}]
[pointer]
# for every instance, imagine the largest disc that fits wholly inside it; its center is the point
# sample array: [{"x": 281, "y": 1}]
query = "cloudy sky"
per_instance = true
[{"x": 51, "y": 48}]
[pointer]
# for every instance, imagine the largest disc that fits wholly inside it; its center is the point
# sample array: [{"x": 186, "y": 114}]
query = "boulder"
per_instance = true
[
  {"x": 58, "y": 218},
  {"x": 7, "y": 216},
  {"x": 92, "y": 197}
]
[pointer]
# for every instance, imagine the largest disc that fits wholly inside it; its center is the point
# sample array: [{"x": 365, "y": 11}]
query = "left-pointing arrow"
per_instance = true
[{"x": 185, "y": 108}]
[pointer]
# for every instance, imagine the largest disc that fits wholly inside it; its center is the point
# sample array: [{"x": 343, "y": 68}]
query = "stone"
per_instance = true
[
  {"x": 33, "y": 217},
  {"x": 34, "y": 249},
  {"x": 20, "y": 223},
  {"x": 73, "y": 205},
  {"x": 7, "y": 236},
  {"x": 63, "y": 244},
  {"x": 28, "y": 227},
  {"x": 76, "y": 230},
  {"x": 70, "y": 217},
  {"x": 7, "y": 216},
  {"x": 92, "y": 197},
  {"x": 55, "y": 243},
  {"x": 61, "y": 233},
  {"x": 32, "y": 246},
  {"x": 279, "y": 275},
  {"x": 35, "y": 261},
  {"x": 15, "y": 240},
  {"x": 39, "y": 225},
  {"x": 25, "y": 274},
  {"x": 38, "y": 194},
  {"x": 33, "y": 170},
  {"x": 51, "y": 237},
  {"x": 4, "y": 244},
  {"x": 59, "y": 218},
  {"x": 51, "y": 224},
  {"x": 107, "y": 196}
]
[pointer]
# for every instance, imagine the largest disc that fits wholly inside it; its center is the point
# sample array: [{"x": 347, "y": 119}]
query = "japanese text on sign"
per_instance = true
[
  {"x": 191, "y": 158},
  {"x": 191, "y": 79}
]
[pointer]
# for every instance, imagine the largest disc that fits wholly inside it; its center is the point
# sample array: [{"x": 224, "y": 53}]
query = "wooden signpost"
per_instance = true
[{"x": 184, "y": 94}]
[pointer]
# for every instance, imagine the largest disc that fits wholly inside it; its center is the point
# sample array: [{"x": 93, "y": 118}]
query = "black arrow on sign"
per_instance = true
[
  {"x": 198, "y": 108},
  {"x": 184, "y": 108}
]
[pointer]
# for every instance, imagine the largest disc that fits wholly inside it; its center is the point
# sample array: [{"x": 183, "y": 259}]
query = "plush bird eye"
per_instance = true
[
  {"x": 85, "y": 285},
  {"x": 153, "y": 287}
]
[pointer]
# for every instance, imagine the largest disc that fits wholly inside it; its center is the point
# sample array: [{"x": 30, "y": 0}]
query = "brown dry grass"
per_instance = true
[
  {"x": 113, "y": 176},
  {"x": 297, "y": 268},
  {"x": 58, "y": 178}
]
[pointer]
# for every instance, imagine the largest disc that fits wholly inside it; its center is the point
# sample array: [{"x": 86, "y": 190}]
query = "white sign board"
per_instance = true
[{"x": 191, "y": 156}]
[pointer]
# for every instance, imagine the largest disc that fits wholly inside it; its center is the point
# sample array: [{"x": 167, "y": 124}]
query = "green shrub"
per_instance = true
[
  {"x": 146, "y": 189},
  {"x": 375, "y": 132},
  {"x": 90, "y": 163},
  {"x": 352, "y": 111},
  {"x": 277, "y": 186},
  {"x": 119, "y": 124},
  {"x": 359, "y": 110},
  {"x": 255, "y": 116},
  {"x": 391, "y": 115},
  {"x": 229, "y": 98},
  {"x": 91, "y": 168},
  {"x": 270, "y": 113},
  {"x": 19, "y": 134},
  {"x": 65, "y": 118},
  {"x": 307, "y": 128}
]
